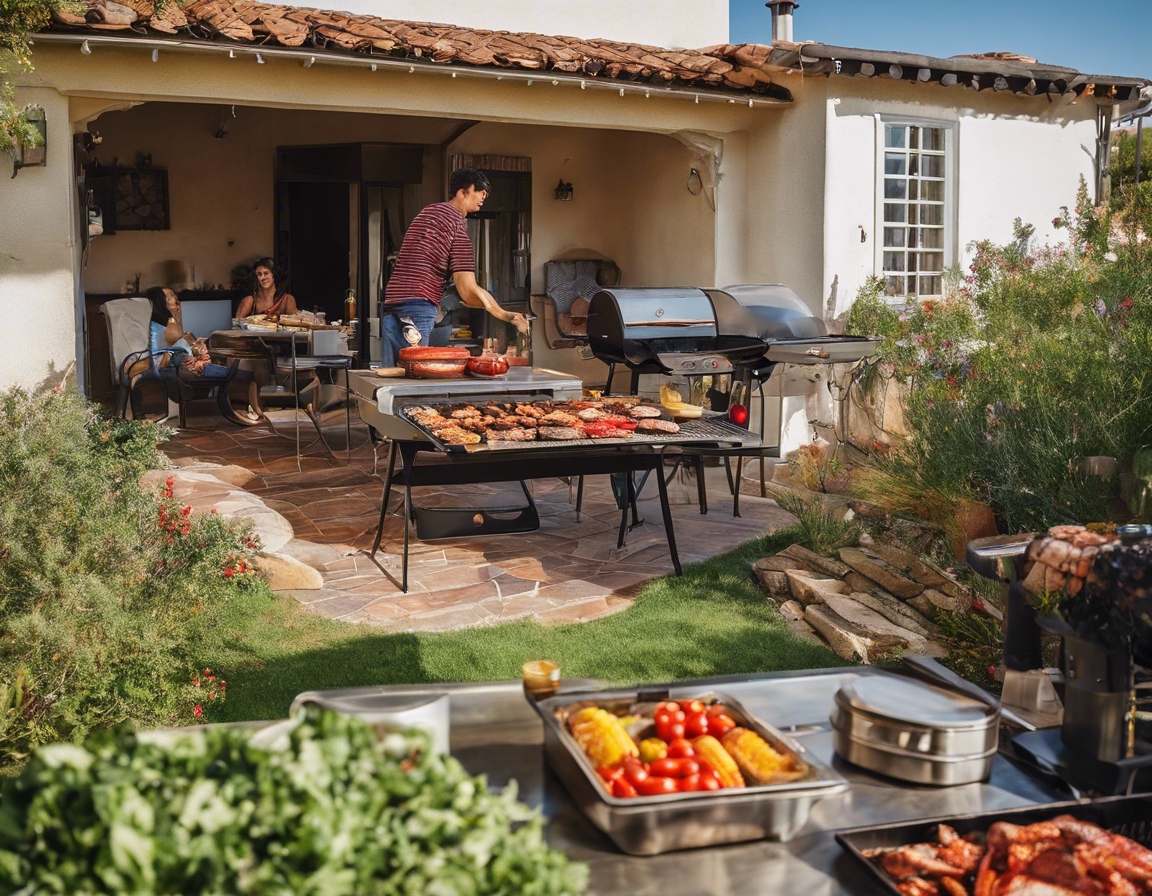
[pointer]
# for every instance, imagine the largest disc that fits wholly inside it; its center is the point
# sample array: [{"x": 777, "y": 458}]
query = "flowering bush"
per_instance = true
[
  {"x": 110, "y": 598},
  {"x": 1039, "y": 357}
]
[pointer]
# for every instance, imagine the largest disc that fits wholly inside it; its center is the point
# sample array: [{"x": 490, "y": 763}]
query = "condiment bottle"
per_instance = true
[
  {"x": 541, "y": 678},
  {"x": 350, "y": 306}
]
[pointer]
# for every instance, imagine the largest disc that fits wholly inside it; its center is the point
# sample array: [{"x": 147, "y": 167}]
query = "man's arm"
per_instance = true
[{"x": 473, "y": 295}]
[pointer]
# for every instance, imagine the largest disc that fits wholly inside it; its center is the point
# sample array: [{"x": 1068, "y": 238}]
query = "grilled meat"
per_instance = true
[
  {"x": 656, "y": 425},
  {"x": 511, "y": 435},
  {"x": 559, "y": 433},
  {"x": 602, "y": 430},
  {"x": 478, "y": 424},
  {"x": 559, "y": 418},
  {"x": 590, "y": 414},
  {"x": 643, "y": 411},
  {"x": 534, "y": 410},
  {"x": 466, "y": 412},
  {"x": 455, "y": 435}
]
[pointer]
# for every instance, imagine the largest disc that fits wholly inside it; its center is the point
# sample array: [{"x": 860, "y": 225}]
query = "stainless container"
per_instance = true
[
  {"x": 651, "y": 825},
  {"x": 914, "y": 731}
]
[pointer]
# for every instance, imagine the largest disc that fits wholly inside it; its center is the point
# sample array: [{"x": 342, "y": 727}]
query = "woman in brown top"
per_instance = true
[{"x": 265, "y": 295}]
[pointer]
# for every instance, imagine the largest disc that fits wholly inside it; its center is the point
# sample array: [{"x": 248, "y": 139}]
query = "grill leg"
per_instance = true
[
  {"x": 736, "y": 488},
  {"x": 634, "y": 385},
  {"x": 579, "y": 496},
  {"x": 666, "y": 512},
  {"x": 630, "y": 502},
  {"x": 701, "y": 488},
  {"x": 611, "y": 373},
  {"x": 407, "y": 529},
  {"x": 392, "y": 452}
]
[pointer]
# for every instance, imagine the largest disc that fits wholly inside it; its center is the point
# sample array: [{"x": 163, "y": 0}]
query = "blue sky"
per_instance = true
[{"x": 1110, "y": 37}]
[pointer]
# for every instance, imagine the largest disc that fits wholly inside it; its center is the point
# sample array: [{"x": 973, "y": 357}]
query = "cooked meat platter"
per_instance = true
[
  {"x": 1097, "y": 847},
  {"x": 504, "y": 423}
]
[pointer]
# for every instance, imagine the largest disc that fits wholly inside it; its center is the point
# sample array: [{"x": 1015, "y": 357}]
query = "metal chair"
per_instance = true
[{"x": 133, "y": 364}]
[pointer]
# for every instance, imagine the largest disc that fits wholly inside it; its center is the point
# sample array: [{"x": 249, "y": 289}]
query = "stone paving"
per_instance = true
[{"x": 566, "y": 571}]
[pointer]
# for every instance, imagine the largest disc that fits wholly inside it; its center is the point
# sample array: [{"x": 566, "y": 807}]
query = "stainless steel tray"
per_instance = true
[
  {"x": 652, "y": 825},
  {"x": 918, "y": 768}
]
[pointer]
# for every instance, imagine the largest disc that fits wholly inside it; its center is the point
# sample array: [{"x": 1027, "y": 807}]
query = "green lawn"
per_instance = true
[{"x": 712, "y": 621}]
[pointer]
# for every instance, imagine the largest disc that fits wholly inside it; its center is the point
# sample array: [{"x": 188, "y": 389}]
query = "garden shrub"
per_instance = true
[
  {"x": 1040, "y": 357},
  {"x": 109, "y": 597}
]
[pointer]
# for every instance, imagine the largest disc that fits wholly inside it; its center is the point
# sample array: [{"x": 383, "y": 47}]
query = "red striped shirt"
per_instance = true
[{"x": 435, "y": 247}]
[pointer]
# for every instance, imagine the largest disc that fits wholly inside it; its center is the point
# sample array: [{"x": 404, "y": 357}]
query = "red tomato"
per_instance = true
[
  {"x": 720, "y": 724},
  {"x": 681, "y": 749},
  {"x": 705, "y": 768},
  {"x": 692, "y": 706},
  {"x": 696, "y": 725},
  {"x": 668, "y": 706},
  {"x": 738, "y": 414},
  {"x": 635, "y": 771},
  {"x": 689, "y": 784},
  {"x": 674, "y": 768},
  {"x": 670, "y": 725},
  {"x": 717, "y": 709},
  {"x": 654, "y": 786},
  {"x": 708, "y": 782},
  {"x": 609, "y": 774},
  {"x": 623, "y": 789}
]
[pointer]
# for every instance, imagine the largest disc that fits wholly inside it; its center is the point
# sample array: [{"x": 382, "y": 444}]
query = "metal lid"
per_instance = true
[{"x": 908, "y": 700}]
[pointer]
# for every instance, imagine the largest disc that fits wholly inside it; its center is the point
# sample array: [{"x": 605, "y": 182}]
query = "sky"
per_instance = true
[{"x": 1103, "y": 37}]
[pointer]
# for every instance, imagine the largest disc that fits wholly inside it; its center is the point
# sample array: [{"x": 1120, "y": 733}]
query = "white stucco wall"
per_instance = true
[
  {"x": 661, "y": 23},
  {"x": 37, "y": 251},
  {"x": 1015, "y": 157}
]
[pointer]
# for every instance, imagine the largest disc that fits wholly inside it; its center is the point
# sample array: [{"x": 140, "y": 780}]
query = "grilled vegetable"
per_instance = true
[
  {"x": 757, "y": 760},
  {"x": 710, "y": 751},
  {"x": 601, "y": 736},
  {"x": 652, "y": 748}
]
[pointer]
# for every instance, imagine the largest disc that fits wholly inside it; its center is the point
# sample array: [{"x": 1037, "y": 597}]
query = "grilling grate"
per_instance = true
[{"x": 705, "y": 431}]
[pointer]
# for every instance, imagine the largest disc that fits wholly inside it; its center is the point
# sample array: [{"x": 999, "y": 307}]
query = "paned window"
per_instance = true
[{"x": 914, "y": 208}]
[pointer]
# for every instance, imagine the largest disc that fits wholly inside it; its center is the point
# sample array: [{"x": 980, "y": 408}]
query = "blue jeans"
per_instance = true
[{"x": 405, "y": 324}]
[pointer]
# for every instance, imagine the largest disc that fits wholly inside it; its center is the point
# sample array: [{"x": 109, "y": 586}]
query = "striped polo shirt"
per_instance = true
[{"x": 435, "y": 247}]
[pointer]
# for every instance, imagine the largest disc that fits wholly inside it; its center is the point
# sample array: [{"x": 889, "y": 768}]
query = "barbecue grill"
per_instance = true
[{"x": 744, "y": 330}]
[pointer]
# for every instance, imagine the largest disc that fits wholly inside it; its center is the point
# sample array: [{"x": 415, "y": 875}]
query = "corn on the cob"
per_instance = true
[
  {"x": 601, "y": 736},
  {"x": 758, "y": 761},
  {"x": 709, "y": 750}
]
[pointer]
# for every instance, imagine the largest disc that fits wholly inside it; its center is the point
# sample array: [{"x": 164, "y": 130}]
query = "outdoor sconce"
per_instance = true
[
  {"x": 25, "y": 156},
  {"x": 564, "y": 191}
]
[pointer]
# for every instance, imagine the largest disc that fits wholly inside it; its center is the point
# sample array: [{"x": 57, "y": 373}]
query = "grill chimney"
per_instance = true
[{"x": 782, "y": 18}]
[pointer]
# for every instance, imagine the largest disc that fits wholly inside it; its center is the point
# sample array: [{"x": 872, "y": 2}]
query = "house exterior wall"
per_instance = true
[
  {"x": 38, "y": 257},
  {"x": 661, "y": 23},
  {"x": 1015, "y": 157}
]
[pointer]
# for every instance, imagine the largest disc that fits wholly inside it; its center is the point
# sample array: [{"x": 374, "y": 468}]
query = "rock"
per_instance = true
[
  {"x": 268, "y": 526},
  {"x": 947, "y": 602},
  {"x": 232, "y": 474},
  {"x": 775, "y": 583},
  {"x": 286, "y": 573},
  {"x": 909, "y": 564},
  {"x": 778, "y": 563},
  {"x": 808, "y": 588},
  {"x": 872, "y": 621},
  {"x": 922, "y": 605},
  {"x": 988, "y": 609},
  {"x": 857, "y": 582},
  {"x": 827, "y": 565},
  {"x": 896, "y": 611},
  {"x": 848, "y": 640},
  {"x": 881, "y": 573},
  {"x": 954, "y": 589},
  {"x": 792, "y": 610}
]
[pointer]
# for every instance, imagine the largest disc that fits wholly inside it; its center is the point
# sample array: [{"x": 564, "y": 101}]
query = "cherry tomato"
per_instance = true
[
  {"x": 654, "y": 786},
  {"x": 608, "y": 774},
  {"x": 720, "y": 724},
  {"x": 675, "y": 768},
  {"x": 623, "y": 789},
  {"x": 681, "y": 749},
  {"x": 689, "y": 784},
  {"x": 708, "y": 782},
  {"x": 669, "y": 725},
  {"x": 692, "y": 706},
  {"x": 696, "y": 725},
  {"x": 717, "y": 709},
  {"x": 668, "y": 706},
  {"x": 635, "y": 771},
  {"x": 705, "y": 768}
]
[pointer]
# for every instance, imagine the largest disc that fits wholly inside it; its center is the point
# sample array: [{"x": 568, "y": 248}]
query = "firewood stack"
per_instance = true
[{"x": 1062, "y": 560}]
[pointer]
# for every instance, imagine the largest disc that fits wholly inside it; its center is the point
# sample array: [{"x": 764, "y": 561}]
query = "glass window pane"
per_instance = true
[
  {"x": 894, "y": 213},
  {"x": 894, "y": 261},
  {"x": 932, "y": 238},
  {"x": 914, "y": 189},
  {"x": 912, "y": 266},
  {"x": 931, "y": 286},
  {"x": 894, "y": 236},
  {"x": 933, "y": 138},
  {"x": 932, "y": 190},
  {"x": 895, "y": 136},
  {"x": 913, "y": 138},
  {"x": 928, "y": 214},
  {"x": 931, "y": 166},
  {"x": 930, "y": 261},
  {"x": 914, "y": 164},
  {"x": 894, "y": 286},
  {"x": 895, "y": 163},
  {"x": 895, "y": 189},
  {"x": 913, "y": 214}
]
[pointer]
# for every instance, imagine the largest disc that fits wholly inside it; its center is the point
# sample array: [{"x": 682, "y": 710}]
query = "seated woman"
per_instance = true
[{"x": 266, "y": 294}]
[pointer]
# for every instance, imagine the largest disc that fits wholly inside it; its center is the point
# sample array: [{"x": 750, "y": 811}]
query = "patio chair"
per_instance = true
[{"x": 133, "y": 364}]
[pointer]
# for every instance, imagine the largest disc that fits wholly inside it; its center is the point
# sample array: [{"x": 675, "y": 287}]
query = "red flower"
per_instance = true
[
  {"x": 196, "y": 682},
  {"x": 185, "y": 511},
  {"x": 228, "y": 573},
  {"x": 992, "y": 671},
  {"x": 223, "y": 684},
  {"x": 197, "y": 710},
  {"x": 212, "y": 695}
]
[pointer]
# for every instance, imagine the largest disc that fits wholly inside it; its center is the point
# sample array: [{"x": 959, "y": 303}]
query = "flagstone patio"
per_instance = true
[{"x": 566, "y": 571}]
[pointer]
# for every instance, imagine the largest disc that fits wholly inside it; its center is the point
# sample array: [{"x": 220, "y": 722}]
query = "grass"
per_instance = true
[{"x": 711, "y": 621}]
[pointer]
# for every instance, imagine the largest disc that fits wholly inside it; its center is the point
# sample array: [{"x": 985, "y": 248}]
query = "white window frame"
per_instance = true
[{"x": 949, "y": 219}]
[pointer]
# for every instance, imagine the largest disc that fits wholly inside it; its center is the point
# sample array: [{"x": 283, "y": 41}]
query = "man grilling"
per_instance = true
[{"x": 435, "y": 248}]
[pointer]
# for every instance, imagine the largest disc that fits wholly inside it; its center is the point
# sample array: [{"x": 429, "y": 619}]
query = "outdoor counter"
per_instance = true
[{"x": 495, "y": 732}]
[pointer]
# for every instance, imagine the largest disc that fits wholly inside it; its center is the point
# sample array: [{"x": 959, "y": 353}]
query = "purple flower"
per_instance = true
[{"x": 1101, "y": 309}]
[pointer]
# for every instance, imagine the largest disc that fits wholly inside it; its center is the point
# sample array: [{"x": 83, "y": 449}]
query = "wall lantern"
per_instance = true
[
  {"x": 564, "y": 191},
  {"x": 35, "y": 155}
]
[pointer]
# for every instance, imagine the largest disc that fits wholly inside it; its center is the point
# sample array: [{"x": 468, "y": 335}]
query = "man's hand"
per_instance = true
[{"x": 519, "y": 321}]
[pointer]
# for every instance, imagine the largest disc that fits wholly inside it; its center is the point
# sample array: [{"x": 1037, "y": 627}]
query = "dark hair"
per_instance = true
[
  {"x": 160, "y": 312},
  {"x": 279, "y": 284},
  {"x": 463, "y": 178}
]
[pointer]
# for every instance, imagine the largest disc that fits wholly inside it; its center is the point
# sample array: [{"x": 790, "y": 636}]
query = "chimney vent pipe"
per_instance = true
[{"x": 782, "y": 18}]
